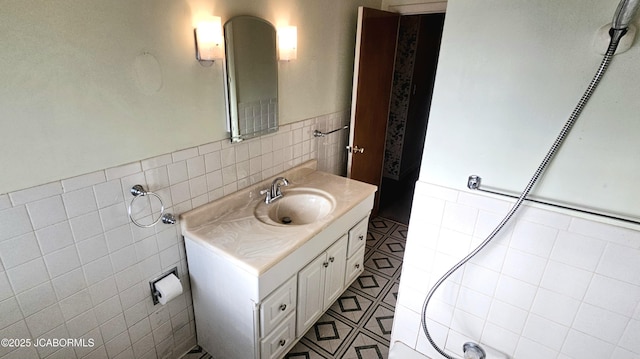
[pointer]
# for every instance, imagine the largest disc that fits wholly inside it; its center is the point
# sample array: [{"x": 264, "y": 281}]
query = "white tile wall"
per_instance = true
[
  {"x": 551, "y": 286},
  {"x": 73, "y": 264}
]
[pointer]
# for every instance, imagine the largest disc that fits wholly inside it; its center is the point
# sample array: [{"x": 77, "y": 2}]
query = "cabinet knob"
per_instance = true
[
  {"x": 331, "y": 259},
  {"x": 282, "y": 342},
  {"x": 357, "y": 265},
  {"x": 361, "y": 237},
  {"x": 283, "y": 307},
  {"x": 325, "y": 264}
]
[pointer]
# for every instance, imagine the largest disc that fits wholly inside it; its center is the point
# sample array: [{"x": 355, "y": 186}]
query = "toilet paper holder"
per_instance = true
[{"x": 152, "y": 283}]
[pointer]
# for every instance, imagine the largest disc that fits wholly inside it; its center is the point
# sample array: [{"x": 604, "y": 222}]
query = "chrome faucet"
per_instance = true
[{"x": 275, "y": 192}]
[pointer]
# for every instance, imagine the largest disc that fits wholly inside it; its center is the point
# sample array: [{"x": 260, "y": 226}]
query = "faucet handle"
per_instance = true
[{"x": 266, "y": 191}]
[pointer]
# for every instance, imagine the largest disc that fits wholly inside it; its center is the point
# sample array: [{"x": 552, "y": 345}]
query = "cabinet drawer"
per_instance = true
[
  {"x": 277, "y": 306},
  {"x": 355, "y": 266},
  {"x": 357, "y": 236},
  {"x": 279, "y": 340}
]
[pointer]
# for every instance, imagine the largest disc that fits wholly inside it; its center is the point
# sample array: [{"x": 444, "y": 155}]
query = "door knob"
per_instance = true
[{"x": 355, "y": 149}]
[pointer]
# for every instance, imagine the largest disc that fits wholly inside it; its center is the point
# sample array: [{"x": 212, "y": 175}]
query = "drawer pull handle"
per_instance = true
[
  {"x": 325, "y": 264},
  {"x": 361, "y": 237},
  {"x": 357, "y": 265},
  {"x": 283, "y": 307},
  {"x": 331, "y": 259},
  {"x": 282, "y": 342}
]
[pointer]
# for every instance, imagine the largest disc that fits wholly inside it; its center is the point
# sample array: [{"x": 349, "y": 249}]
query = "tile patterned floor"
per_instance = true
[{"x": 358, "y": 324}]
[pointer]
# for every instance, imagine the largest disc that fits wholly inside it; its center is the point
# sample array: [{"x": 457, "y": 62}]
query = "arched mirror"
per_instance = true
[{"x": 252, "y": 77}]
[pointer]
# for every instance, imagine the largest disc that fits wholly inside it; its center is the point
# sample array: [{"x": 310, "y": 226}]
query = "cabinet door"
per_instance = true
[
  {"x": 334, "y": 282},
  {"x": 310, "y": 293}
]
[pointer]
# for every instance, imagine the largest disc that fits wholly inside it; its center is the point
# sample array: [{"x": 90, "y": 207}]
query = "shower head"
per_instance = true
[{"x": 624, "y": 14}]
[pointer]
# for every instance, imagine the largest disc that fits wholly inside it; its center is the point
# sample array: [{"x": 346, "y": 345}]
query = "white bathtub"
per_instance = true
[{"x": 399, "y": 350}]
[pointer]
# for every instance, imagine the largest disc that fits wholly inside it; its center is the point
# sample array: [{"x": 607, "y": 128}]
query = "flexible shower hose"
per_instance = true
[{"x": 615, "y": 38}]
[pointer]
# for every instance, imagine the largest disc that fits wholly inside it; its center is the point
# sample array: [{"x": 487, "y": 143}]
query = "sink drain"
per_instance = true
[{"x": 286, "y": 220}]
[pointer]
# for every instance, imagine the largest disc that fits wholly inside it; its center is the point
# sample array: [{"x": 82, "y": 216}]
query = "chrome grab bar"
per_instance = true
[
  {"x": 317, "y": 133},
  {"x": 474, "y": 182}
]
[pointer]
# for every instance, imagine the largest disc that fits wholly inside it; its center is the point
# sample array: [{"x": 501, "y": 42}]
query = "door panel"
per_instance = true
[
  {"x": 334, "y": 282},
  {"x": 310, "y": 293},
  {"x": 373, "y": 76}
]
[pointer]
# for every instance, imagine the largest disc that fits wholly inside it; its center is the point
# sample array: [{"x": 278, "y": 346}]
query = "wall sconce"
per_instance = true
[
  {"x": 287, "y": 43},
  {"x": 209, "y": 41}
]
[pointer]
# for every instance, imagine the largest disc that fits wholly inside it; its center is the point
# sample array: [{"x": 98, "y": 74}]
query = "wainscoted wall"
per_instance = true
[
  {"x": 74, "y": 266},
  {"x": 553, "y": 285}
]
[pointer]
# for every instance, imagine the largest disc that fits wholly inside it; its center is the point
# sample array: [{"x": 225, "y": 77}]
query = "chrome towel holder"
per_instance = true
[
  {"x": 138, "y": 191},
  {"x": 317, "y": 133}
]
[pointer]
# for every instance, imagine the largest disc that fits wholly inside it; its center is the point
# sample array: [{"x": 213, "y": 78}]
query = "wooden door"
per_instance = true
[{"x": 373, "y": 77}]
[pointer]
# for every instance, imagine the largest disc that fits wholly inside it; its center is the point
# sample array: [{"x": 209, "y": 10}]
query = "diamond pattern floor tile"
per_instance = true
[
  {"x": 400, "y": 232},
  {"x": 328, "y": 334},
  {"x": 365, "y": 347},
  {"x": 381, "y": 262},
  {"x": 381, "y": 322},
  {"x": 370, "y": 283},
  {"x": 374, "y": 238},
  {"x": 382, "y": 225},
  {"x": 392, "y": 296},
  {"x": 351, "y": 306},
  {"x": 392, "y": 246}
]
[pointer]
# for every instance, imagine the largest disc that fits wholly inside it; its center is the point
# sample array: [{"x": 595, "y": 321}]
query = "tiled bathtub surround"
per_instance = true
[
  {"x": 74, "y": 266},
  {"x": 551, "y": 286}
]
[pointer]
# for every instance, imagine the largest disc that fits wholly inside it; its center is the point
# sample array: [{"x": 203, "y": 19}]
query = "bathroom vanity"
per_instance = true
[{"x": 262, "y": 274}]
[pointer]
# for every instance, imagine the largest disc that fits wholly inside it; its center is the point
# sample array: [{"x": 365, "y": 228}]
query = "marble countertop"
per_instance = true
[{"x": 229, "y": 227}]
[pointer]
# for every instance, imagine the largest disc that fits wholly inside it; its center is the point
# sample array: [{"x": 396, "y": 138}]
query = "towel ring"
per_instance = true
[{"x": 139, "y": 191}]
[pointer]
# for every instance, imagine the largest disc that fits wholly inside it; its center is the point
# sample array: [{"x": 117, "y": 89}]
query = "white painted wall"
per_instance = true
[
  {"x": 69, "y": 99},
  {"x": 554, "y": 284},
  {"x": 508, "y": 78},
  {"x": 77, "y": 132}
]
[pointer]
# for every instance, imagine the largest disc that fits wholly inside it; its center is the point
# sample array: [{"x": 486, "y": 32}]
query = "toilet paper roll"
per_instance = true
[{"x": 168, "y": 288}]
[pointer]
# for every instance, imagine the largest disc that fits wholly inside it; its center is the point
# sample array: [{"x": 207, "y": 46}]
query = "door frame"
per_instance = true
[
  {"x": 434, "y": 7},
  {"x": 401, "y": 10}
]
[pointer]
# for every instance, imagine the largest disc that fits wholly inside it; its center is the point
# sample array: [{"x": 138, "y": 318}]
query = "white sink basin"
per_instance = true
[{"x": 297, "y": 206}]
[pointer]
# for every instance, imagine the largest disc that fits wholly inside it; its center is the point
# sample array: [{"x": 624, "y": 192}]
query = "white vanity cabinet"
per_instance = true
[
  {"x": 320, "y": 283},
  {"x": 258, "y": 287},
  {"x": 234, "y": 321}
]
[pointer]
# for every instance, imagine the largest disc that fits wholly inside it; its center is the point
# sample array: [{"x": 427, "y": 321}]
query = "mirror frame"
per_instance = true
[{"x": 231, "y": 86}]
